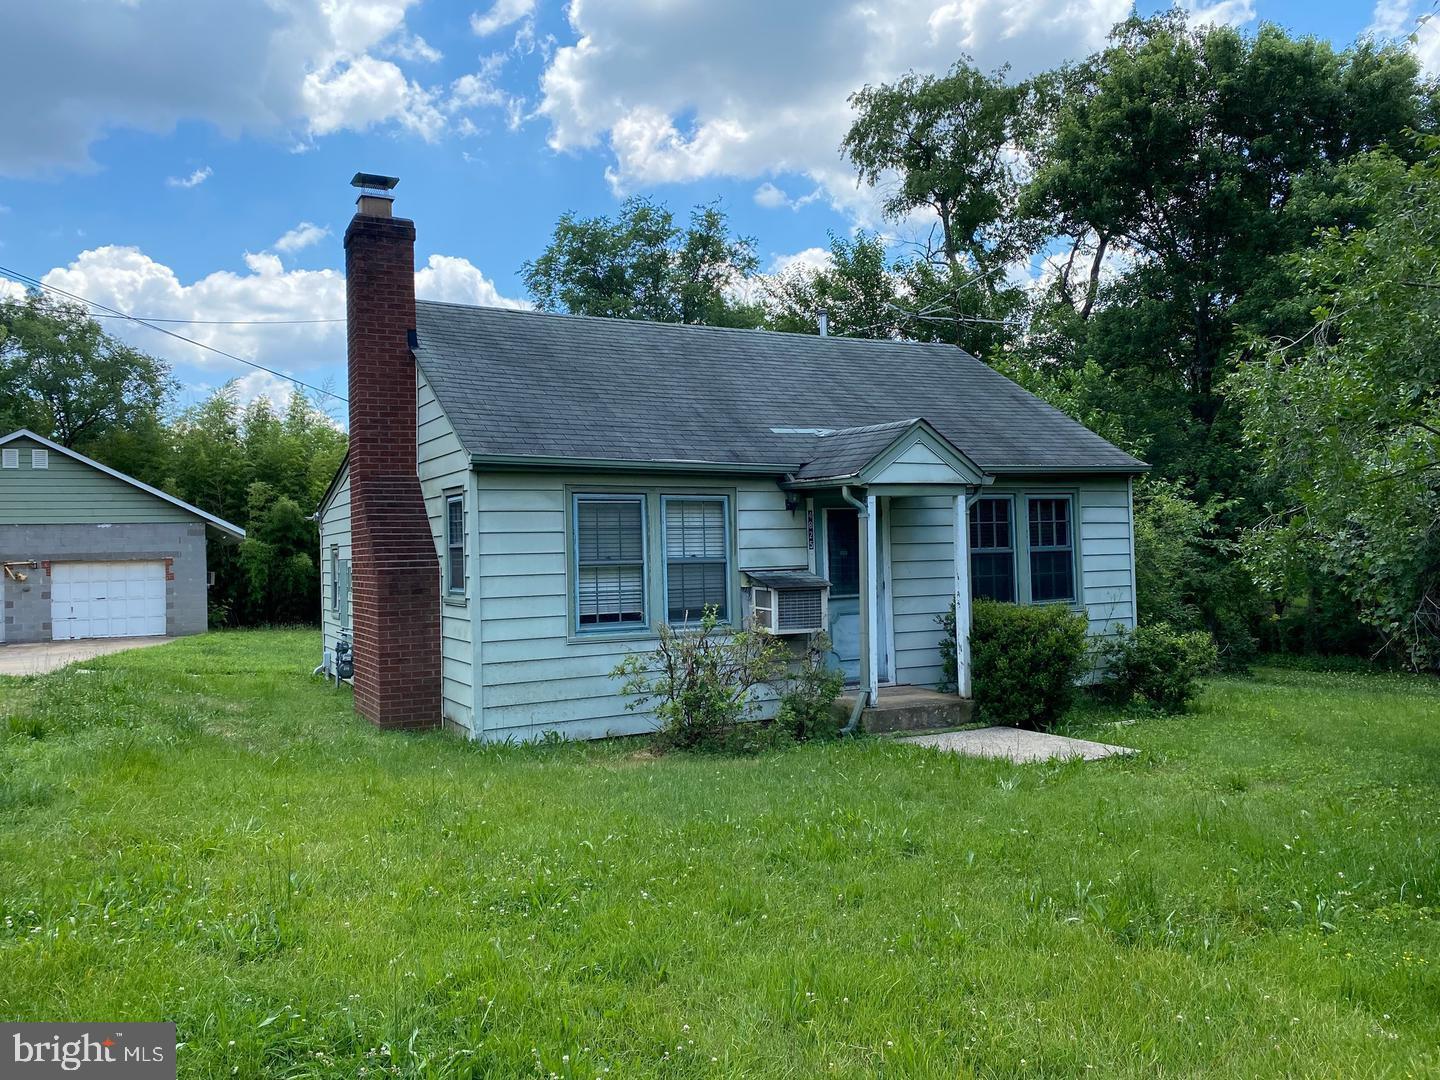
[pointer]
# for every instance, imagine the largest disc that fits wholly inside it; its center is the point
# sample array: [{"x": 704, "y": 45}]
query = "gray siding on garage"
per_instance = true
[{"x": 538, "y": 676}]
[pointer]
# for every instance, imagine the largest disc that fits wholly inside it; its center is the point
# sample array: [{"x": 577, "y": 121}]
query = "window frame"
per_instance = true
[
  {"x": 1013, "y": 551},
  {"x": 452, "y": 594},
  {"x": 666, "y": 498},
  {"x": 1068, "y": 497},
  {"x": 572, "y": 541}
]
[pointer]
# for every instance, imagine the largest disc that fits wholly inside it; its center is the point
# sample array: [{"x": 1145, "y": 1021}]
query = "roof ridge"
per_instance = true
[
  {"x": 658, "y": 323},
  {"x": 868, "y": 428}
]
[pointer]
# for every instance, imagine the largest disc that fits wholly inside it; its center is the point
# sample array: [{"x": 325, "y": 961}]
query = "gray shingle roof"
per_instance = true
[
  {"x": 521, "y": 383},
  {"x": 845, "y": 451}
]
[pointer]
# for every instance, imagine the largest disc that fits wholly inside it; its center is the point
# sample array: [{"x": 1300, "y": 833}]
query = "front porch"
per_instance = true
[
  {"x": 888, "y": 516},
  {"x": 908, "y": 708}
]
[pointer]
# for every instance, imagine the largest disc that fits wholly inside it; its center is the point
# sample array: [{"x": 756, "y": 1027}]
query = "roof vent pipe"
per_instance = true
[{"x": 824, "y": 324}]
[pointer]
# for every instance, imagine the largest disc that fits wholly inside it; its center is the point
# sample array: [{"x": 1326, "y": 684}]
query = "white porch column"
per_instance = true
[
  {"x": 962, "y": 597},
  {"x": 871, "y": 613}
]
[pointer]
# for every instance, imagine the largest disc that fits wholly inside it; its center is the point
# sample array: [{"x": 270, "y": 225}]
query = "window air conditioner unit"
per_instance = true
[{"x": 786, "y": 601}]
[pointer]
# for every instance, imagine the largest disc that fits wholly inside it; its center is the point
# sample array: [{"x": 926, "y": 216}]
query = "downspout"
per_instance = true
[{"x": 852, "y": 726}]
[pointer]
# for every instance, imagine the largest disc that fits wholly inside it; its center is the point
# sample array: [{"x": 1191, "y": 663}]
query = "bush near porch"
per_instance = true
[
  {"x": 1025, "y": 661},
  {"x": 202, "y": 833}
]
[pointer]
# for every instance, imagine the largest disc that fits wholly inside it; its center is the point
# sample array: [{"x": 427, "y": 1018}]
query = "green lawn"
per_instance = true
[{"x": 202, "y": 833}]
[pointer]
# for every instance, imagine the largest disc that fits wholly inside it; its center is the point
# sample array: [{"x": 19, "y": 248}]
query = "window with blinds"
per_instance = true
[
  {"x": 1052, "y": 550},
  {"x": 697, "y": 557},
  {"x": 992, "y": 550},
  {"x": 609, "y": 561},
  {"x": 455, "y": 545}
]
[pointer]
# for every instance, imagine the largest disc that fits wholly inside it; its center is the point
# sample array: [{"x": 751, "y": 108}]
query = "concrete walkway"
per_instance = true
[
  {"x": 38, "y": 657},
  {"x": 1015, "y": 744}
]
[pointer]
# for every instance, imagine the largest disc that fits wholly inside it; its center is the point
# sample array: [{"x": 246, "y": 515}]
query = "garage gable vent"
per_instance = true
[
  {"x": 10, "y": 459},
  {"x": 39, "y": 459}
]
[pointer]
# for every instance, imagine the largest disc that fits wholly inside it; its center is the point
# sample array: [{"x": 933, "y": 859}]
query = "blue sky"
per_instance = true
[{"x": 184, "y": 159}]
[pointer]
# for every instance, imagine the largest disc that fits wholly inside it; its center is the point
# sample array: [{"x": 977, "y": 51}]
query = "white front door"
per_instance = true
[{"x": 107, "y": 599}]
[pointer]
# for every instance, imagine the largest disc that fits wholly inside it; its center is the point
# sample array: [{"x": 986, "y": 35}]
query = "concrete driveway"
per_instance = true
[
  {"x": 1015, "y": 744},
  {"x": 38, "y": 657}
]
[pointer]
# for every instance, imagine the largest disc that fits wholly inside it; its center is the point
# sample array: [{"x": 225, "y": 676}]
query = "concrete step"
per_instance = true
[{"x": 910, "y": 708}]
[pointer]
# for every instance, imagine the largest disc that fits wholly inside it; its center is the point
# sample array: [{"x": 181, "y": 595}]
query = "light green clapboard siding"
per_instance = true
[
  {"x": 537, "y": 676},
  {"x": 334, "y": 532},
  {"x": 70, "y": 492},
  {"x": 444, "y": 467},
  {"x": 922, "y": 565}
]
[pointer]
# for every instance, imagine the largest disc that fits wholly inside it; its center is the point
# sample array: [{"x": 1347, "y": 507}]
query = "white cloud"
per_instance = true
[
  {"x": 774, "y": 198},
  {"x": 770, "y": 197},
  {"x": 1392, "y": 18},
  {"x": 810, "y": 259},
  {"x": 12, "y": 290},
  {"x": 364, "y": 92},
  {"x": 271, "y": 67},
  {"x": 195, "y": 179},
  {"x": 501, "y": 14},
  {"x": 413, "y": 47},
  {"x": 302, "y": 236},
  {"x": 1399, "y": 19},
  {"x": 754, "y": 88},
  {"x": 1219, "y": 13},
  {"x": 307, "y": 344},
  {"x": 457, "y": 281}
]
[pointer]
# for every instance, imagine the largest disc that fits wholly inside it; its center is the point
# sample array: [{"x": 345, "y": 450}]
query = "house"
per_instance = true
[
  {"x": 527, "y": 496},
  {"x": 89, "y": 552}
]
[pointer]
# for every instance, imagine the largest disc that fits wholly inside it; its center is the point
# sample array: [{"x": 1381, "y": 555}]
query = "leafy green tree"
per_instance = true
[
  {"x": 64, "y": 377},
  {"x": 1197, "y": 155},
  {"x": 1345, "y": 417},
  {"x": 858, "y": 292},
  {"x": 642, "y": 265},
  {"x": 948, "y": 142}
]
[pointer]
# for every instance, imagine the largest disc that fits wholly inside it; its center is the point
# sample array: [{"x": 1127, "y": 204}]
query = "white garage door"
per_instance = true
[{"x": 107, "y": 599}]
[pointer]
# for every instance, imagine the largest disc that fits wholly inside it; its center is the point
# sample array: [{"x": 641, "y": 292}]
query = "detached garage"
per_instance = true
[{"x": 88, "y": 552}]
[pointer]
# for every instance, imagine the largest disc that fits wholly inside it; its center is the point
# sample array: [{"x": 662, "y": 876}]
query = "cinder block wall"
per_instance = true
[{"x": 27, "y": 604}]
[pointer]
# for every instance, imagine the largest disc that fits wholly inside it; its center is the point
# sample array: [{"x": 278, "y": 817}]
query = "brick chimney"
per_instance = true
[{"x": 395, "y": 571}]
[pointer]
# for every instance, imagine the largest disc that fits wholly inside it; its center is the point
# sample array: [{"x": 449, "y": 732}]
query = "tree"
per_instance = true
[
  {"x": 858, "y": 292},
  {"x": 64, "y": 377},
  {"x": 1198, "y": 155},
  {"x": 642, "y": 265},
  {"x": 949, "y": 143},
  {"x": 1345, "y": 418}
]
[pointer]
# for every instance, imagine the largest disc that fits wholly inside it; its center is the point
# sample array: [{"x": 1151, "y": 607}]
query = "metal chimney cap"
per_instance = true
[{"x": 374, "y": 181}]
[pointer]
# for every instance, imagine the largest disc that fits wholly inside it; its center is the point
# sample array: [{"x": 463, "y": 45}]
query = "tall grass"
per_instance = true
[{"x": 201, "y": 833}]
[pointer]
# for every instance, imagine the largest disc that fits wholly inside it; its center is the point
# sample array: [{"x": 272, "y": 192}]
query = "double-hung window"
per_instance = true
[
  {"x": 609, "y": 562},
  {"x": 1052, "y": 549},
  {"x": 455, "y": 545},
  {"x": 697, "y": 557},
  {"x": 992, "y": 549}
]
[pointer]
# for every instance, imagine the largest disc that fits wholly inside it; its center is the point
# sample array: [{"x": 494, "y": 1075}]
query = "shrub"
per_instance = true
[
  {"x": 1156, "y": 664},
  {"x": 700, "y": 680},
  {"x": 1025, "y": 661},
  {"x": 807, "y": 707}
]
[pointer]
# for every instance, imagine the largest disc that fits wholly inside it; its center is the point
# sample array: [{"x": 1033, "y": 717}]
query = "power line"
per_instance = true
[
  {"x": 214, "y": 322},
  {"x": 26, "y": 279}
]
